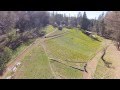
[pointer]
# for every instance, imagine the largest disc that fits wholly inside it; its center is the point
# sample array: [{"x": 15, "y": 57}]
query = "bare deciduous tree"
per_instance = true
[{"x": 112, "y": 20}]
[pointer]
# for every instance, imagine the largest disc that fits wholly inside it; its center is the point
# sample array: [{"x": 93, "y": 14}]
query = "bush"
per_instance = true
[
  {"x": 42, "y": 33},
  {"x": 5, "y": 56},
  {"x": 7, "y": 53}
]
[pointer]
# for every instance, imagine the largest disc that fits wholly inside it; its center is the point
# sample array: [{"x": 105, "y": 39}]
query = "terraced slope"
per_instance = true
[{"x": 62, "y": 54}]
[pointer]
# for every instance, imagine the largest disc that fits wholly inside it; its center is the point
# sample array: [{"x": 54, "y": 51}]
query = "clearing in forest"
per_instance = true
[{"x": 62, "y": 54}]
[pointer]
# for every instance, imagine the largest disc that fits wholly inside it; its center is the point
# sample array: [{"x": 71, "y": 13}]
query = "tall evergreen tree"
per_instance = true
[{"x": 85, "y": 22}]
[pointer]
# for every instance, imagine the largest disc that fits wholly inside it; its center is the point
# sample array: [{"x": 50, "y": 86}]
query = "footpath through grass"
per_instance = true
[
  {"x": 34, "y": 65},
  {"x": 71, "y": 44},
  {"x": 74, "y": 46},
  {"x": 65, "y": 71},
  {"x": 102, "y": 71}
]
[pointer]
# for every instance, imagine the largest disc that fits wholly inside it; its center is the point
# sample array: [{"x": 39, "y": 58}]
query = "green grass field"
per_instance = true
[
  {"x": 65, "y": 71},
  {"x": 102, "y": 72},
  {"x": 34, "y": 65},
  {"x": 49, "y": 29},
  {"x": 73, "y": 46}
]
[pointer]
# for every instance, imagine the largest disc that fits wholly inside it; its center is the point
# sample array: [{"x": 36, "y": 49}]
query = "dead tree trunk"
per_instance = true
[
  {"x": 85, "y": 68},
  {"x": 118, "y": 46}
]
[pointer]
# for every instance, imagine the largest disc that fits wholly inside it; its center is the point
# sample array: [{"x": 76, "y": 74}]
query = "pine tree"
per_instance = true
[{"x": 85, "y": 22}]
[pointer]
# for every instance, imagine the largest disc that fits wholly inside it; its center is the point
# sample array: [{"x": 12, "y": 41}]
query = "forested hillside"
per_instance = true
[{"x": 58, "y": 40}]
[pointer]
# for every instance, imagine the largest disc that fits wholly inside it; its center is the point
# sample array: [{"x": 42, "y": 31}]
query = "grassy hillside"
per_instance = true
[
  {"x": 49, "y": 29},
  {"x": 35, "y": 65},
  {"x": 73, "y": 45},
  {"x": 65, "y": 71},
  {"x": 102, "y": 72},
  {"x": 68, "y": 44}
]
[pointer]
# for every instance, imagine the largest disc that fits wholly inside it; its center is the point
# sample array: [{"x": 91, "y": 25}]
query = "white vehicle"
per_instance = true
[
  {"x": 14, "y": 69},
  {"x": 19, "y": 63}
]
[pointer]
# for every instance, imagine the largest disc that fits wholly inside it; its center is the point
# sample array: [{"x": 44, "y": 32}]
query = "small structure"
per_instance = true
[
  {"x": 14, "y": 69},
  {"x": 88, "y": 32},
  {"x": 60, "y": 27},
  {"x": 17, "y": 64}
]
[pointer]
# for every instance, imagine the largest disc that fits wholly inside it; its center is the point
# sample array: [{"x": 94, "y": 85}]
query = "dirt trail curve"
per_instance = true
[
  {"x": 92, "y": 64},
  {"x": 114, "y": 55},
  {"x": 43, "y": 45}
]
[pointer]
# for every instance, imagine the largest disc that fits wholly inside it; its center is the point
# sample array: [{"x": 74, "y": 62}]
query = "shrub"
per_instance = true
[
  {"x": 5, "y": 56},
  {"x": 42, "y": 33}
]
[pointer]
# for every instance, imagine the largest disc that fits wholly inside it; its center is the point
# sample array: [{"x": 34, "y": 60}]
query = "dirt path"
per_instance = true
[
  {"x": 114, "y": 56},
  {"x": 92, "y": 64},
  {"x": 43, "y": 45}
]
